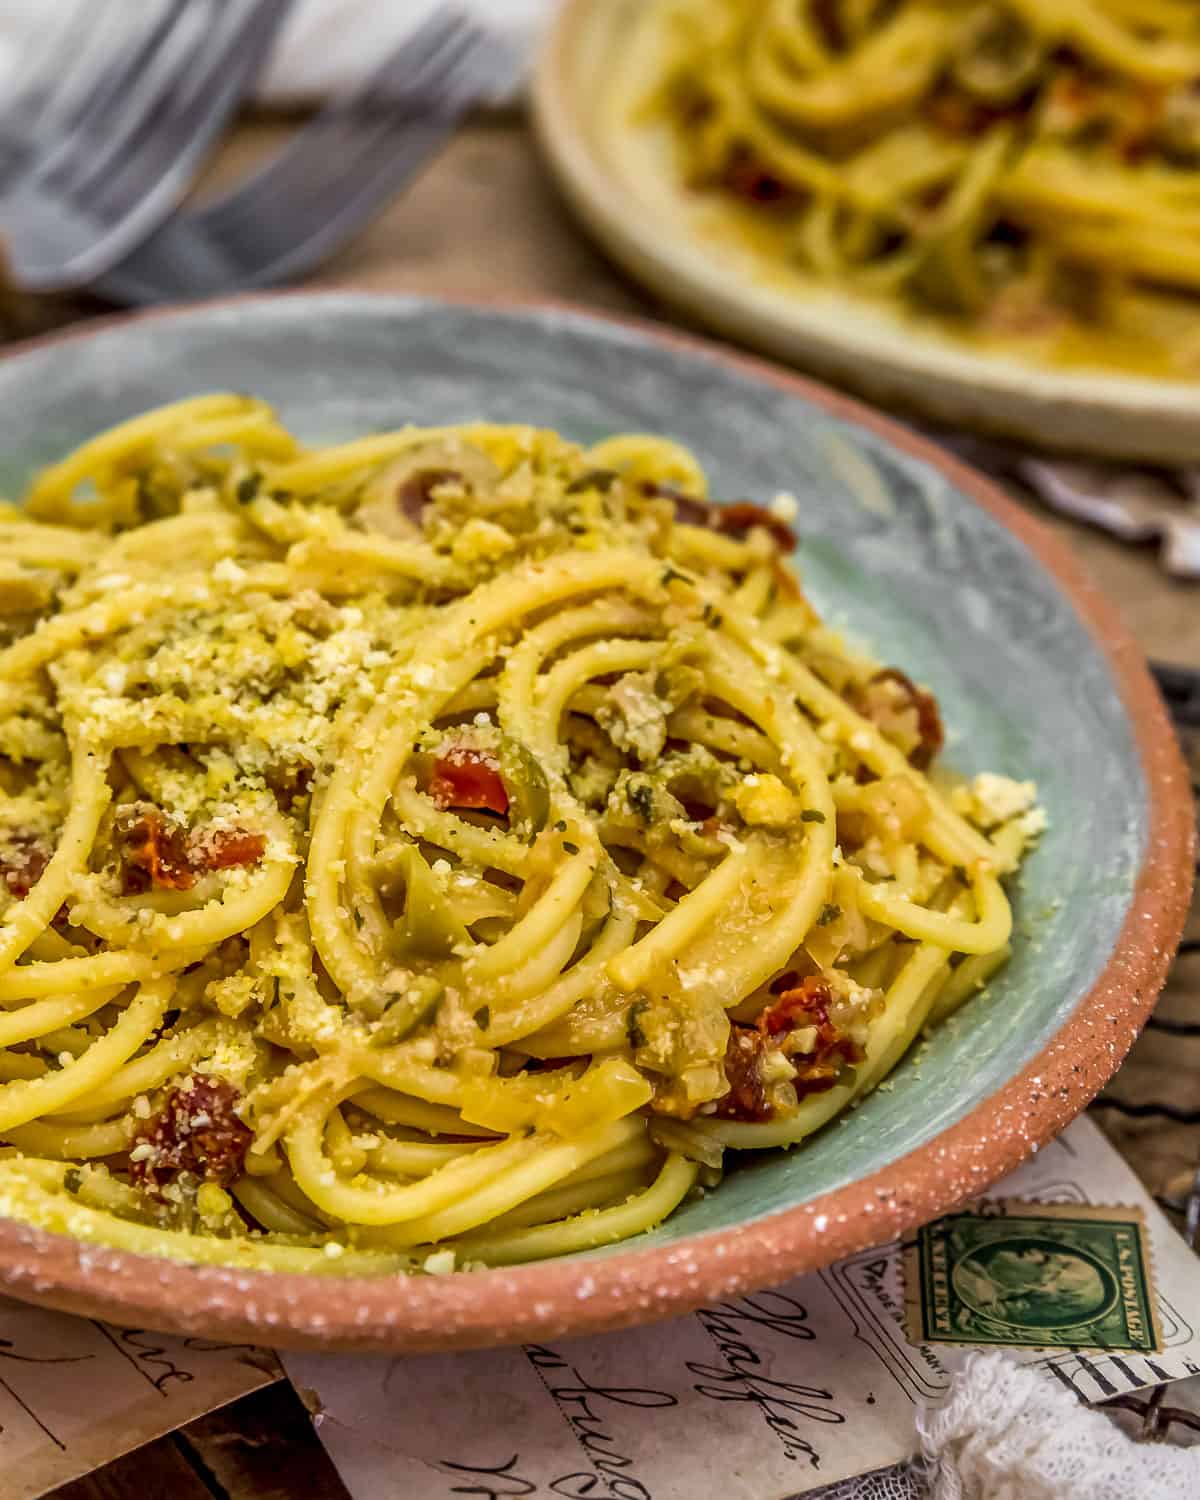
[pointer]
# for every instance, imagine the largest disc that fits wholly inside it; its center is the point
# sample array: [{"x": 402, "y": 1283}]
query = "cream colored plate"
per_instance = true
[{"x": 619, "y": 179}]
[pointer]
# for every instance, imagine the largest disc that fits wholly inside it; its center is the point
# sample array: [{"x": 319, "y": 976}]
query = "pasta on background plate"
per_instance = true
[
  {"x": 1022, "y": 172},
  {"x": 439, "y": 850}
]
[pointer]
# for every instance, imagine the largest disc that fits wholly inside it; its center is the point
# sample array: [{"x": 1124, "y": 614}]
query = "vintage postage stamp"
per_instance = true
[{"x": 1033, "y": 1276}]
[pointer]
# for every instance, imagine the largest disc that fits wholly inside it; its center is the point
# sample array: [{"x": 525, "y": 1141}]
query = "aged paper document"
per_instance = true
[
  {"x": 75, "y": 1394},
  {"x": 757, "y": 1398}
]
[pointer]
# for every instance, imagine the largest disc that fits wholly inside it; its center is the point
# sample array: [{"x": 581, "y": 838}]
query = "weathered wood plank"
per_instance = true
[{"x": 263, "y": 1448}]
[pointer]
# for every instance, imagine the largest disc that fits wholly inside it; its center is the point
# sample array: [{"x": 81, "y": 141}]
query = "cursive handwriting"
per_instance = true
[
  {"x": 502, "y": 1482},
  {"x": 498, "y": 1481},
  {"x": 775, "y": 1311},
  {"x": 583, "y": 1407},
  {"x": 152, "y": 1357},
  {"x": 742, "y": 1374},
  {"x": 8, "y": 1350}
]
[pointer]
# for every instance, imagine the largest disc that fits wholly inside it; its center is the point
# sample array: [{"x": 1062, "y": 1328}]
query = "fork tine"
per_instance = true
[
  {"x": 121, "y": 96},
  {"x": 224, "y": 72},
  {"x": 331, "y": 178},
  {"x": 442, "y": 47},
  {"x": 47, "y": 61},
  {"x": 406, "y": 72},
  {"x": 394, "y": 86},
  {"x": 103, "y": 140},
  {"x": 53, "y": 79},
  {"x": 345, "y": 189},
  {"x": 88, "y": 116},
  {"x": 122, "y": 175},
  {"x": 361, "y": 144}
]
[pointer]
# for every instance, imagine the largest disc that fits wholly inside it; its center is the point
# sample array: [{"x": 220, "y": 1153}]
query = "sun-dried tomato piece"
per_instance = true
[
  {"x": 155, "y": 851},
  {"x": 739, "y": 517},
  {"x": 956, "y": 112},
  {"x": 467, "y": 778},
  {"x": 23, "y": 863},
  {"x": 196, "y": 1131},
  {"x": 161, "y": 855},
  {"x": 805, "y": 1005},
  {"x": 748, "y": 1053},
  {"x": 690, "y": 510},
  {"x": 744, "y": 1057},
  {"x": 905, "y": 694},
  {"x": 734, "y": 519},
  {"x": 223, "y": 848},
  {"x": 747, "y": 177}
]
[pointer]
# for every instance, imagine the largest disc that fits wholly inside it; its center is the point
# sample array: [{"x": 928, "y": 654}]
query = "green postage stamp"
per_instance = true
[{"x": 1033, "y": 1276}]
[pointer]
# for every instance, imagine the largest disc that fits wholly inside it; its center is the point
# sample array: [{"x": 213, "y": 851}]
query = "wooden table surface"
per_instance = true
[{"x": 484, "y": 221}]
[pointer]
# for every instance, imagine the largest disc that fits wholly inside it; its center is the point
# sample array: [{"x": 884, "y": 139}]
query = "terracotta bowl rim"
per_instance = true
[{"x": 551, "y": 1299}]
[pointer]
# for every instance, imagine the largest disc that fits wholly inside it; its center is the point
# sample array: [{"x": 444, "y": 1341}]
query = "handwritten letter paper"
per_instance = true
[
  {"x": 758, "y": 1398},
  {"x": 75, "y": 1394}
]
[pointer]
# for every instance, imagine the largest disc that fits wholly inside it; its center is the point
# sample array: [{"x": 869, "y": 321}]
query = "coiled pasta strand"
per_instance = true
[{"x": 437, "y": 850}]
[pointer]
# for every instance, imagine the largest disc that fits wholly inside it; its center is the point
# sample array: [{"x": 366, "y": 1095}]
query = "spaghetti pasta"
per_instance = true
[
  {"x": 1007, "y": 169},
  {"x": 440, "y": 848}
]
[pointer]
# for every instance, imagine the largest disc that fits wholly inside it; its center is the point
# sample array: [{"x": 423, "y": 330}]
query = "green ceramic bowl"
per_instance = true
[{"x": 914, "y": 555}]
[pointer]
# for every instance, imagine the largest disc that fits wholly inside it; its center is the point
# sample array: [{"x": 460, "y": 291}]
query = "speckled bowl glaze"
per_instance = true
[{"x": 918, "y": 557}]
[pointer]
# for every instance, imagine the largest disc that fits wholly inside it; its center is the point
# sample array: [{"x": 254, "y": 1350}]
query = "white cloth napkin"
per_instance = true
[
  {"x": 1130, "y": 504},
  {"x": 325, "y": 45},
  {"x": 1009, "y": 1432},
  {"x": 1135, "y": 505}
]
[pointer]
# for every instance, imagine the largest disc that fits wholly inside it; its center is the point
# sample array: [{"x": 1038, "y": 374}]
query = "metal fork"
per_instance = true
[
  {"x": 114, "y": 147},
  {"x": 359, "y": 152}
]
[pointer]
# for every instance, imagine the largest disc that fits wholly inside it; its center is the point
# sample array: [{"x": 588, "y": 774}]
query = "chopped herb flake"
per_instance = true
[
  {"x": 640, "y": 796},
  {"x": 595, "y": 479},
  {"x": 633, "y": 1030},
  {"x": 811, "y": 815}
]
